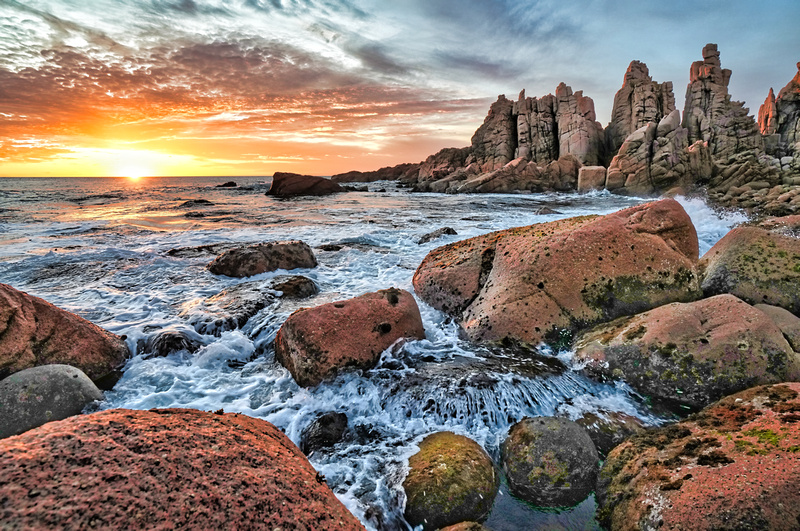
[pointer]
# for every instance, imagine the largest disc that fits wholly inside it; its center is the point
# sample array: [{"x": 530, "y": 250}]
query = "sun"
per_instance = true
[{"x": 134, "y": 171}]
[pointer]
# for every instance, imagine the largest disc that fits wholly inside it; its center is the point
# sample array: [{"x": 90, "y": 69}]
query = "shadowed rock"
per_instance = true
[
  {"x": 34, "y": 396},
  {"x": 325, "y": 431},
  {"x": 292, "y": 184}
]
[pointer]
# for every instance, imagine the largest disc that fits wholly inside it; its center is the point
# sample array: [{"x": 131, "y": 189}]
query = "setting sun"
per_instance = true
[{"x": 134, "y": 172}]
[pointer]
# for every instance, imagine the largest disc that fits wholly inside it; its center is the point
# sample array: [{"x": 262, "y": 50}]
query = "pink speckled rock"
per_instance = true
[
  {"x": 33, "y": 332},
  {"x": 314, "y": 343},
  {"x": 162, "y": 469},
  {"x": 735, "y": 465}
]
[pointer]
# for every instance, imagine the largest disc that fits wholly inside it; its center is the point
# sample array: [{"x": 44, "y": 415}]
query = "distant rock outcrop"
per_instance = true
[
  {"x": 388, "y": 173},
  {"x": 639, "y": 102},
  {"x": 779, "y": 121},
  {"x": 711, "y": 116}
]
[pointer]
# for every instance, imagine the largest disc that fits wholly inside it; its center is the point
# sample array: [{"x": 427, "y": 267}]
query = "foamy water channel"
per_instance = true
[{"x": 98, "y": 247}]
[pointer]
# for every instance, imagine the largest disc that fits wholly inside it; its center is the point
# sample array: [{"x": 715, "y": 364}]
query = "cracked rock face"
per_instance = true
[
  {"x": 711, "y": 116},
  {"x": 531, "y": 283},
  {"x": 779, "y": 120},
  {"x": 639, "y": 102}
]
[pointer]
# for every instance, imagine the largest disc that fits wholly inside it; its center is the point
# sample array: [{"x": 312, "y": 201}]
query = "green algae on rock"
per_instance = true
[{"x": 451, "y": 480}]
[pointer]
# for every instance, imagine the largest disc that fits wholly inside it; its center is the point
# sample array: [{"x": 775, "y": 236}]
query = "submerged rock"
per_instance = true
[
  {"x": 315, "y": 343},
  {"x": 451, "y": 480},
  {"x": 325, "y": 431},
  {"x": 438, "y": 233},
  {"x": 691, "y": 354},
  {"x": 532, "y": 283},
  {"x": 550, "y": 461},
  {"x": 166, "y": 342},
  {"x": 263, "y": 257},
  {"x": 34, "y": 332},
  {"x": 732, "y": 466},
  {"x": 227, "y": 184},
  {"x": 757, "y": 266},
  {"x": 126, "y": 469},
  {"x": 292, "y": 184},
  {"x": 32, "y": 397}
]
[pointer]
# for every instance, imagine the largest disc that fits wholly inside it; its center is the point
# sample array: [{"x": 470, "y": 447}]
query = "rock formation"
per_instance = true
[
  {"x": 315, "y": 343},
  {"x": 691, "y": 354},
  {"x": 451, "y": 479},
  {"x": 779, "y": 121},
  {"x": 494, "y": 142},
  {"x": 531, "y": 283},
  {"x": 732, "y": 466},
  {"x": 639, "y": 102},
  {"x": 388, "y": 173},
  {"x": 709, "y": 113},
  {"x": 34, "y": 332},
  {"x": 181, "y": 468}
]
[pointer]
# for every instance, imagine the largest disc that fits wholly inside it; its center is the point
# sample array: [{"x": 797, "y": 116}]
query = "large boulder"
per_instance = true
[
  {"x": 450, "y": 480},
  {"x": 550, "y": 461},
  {"x": 286, "y": 184},
  {"x": 756, "y": 265},
  {"x": 639, "y": 102},
  {"x": 263, "y": 257},
  {"x": 532, "y": 283},
  {"x": 34, "y": 332},
  {"x": 32, "y": 397},
  {"x": 788, "y": 323},
  {"x": 732, "y": 466},
  {"x": 142, "y": 469},
  {"x": 691, "y": 354},
  {"x": 314, "y": 343}
]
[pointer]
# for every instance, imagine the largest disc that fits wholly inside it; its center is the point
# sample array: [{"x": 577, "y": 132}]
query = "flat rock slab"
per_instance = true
[
  {"x": 33, "y": 332},
  {"x": 734, "y": 465},
  {"x": 691, "y": 354},
  {"x": 315, "y": 343},
  {"x": 38, "y": 395},
  {"x": 180, "y": 468},
  {"x": 263, "y": 257},
  {"x": 531, "y": 283}
]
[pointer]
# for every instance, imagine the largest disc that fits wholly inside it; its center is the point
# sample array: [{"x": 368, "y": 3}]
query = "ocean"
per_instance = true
[{"x": 99, "y": 247}]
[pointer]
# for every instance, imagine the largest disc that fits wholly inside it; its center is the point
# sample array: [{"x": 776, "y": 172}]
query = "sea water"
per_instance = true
[{"x": 98, "y": 247}]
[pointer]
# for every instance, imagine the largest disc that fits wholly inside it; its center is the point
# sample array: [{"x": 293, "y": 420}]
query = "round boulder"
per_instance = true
[
  {"x": 325, "y": 431},
  {"x": 550, "y": 461},
  {"x": 451, "y": 480},
  {"x": 734, "y": 465},
  {"x": 263, "y": 257},
  {"x": 314, "y": 343},
  {"x": 42, "y": 394},
  {"x": 691, "y": 354},
  {"x": 123, "y": 469}
]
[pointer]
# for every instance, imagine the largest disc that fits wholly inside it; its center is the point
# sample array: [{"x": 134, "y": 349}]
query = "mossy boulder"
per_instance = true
[
  {"x": 451, "y": 480},
  {"x": 535, "y": 283},
  {"x": 691, "y": 354},
  {"x": 756, "y": 265},
  {"x": 550, "y": 461},
  {"x": 734, "y": 465}
]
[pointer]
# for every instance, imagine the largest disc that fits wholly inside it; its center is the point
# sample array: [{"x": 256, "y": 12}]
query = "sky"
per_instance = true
[{"x": 250, "y": 87}]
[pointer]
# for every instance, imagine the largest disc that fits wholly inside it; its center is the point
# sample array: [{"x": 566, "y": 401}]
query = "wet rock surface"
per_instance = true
[
  {"x": 33, "y": 332},
  {"x": 35, "y": 396},
  {"x": 263, "y": 257},
  {"x": 292, "y": 184},
  {"x": 326, "y": 430},
  {"x": 140, "y": 469},
  {"x": 451, "y": 480},
  {"x": 438, "y": 233},
  {"x": 756, "y": 265},
  {"x": 607, "y": 429},
  {"x": 732, "y": 466},
  {"x": 531, "y": 283},
  {"x": 315, "y": 343},
  {"x": 550, "y": 461},
  {"x": 691, "y": 354},
  {"x": 166, "y": 342}
]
